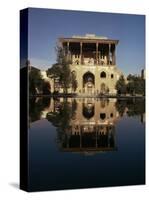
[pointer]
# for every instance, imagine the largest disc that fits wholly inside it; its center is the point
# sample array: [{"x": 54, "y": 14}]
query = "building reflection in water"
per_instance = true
[
  {"x": 84, "y": 124},
  {"x": 92, "y": 128}
]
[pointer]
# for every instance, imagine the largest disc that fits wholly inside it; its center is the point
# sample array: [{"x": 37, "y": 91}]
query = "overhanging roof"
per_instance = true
[{"x": 88, "y": 39}]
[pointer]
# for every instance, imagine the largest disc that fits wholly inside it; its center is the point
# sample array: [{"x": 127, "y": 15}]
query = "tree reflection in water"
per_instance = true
[
  {"x": 85, "y": 125},
  {"x": 134, "y": 106}
]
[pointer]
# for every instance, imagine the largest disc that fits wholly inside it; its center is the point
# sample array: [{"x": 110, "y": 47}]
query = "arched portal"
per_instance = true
[
  {"x": 103, "y": 88},
  {"x": 103, "y": 75},
  {"x": 88, "y": 110},
  {"x": 88, "y": 83}
]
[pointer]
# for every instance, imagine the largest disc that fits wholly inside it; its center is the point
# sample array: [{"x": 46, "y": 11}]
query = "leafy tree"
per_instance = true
[
  {"x": 136, "y": 108},
  {"x": 46, "y": 87},
  {"x": 131, "y": 87},
  {"x": 121, "y": 85},
  {"x": 133, "y": 106},
  {"x": 36, "y": 106},
  {"x": 35, "y": 81},
  {"x": 74, "y": 83},
  {"x": 61, "y": 71},
  {"x": 61, "y": 119},
  {"x": 135, "y": 85},
  {"x": 121, "y": 106}
]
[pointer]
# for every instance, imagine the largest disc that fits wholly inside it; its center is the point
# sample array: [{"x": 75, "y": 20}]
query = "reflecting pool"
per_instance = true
[{"x": 86, "y": 142}]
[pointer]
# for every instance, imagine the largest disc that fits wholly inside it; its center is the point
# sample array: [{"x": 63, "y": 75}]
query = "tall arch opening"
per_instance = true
[
  {"x": 88, "y": 83},
  {"x": 88, "y": 110},
  {"x": 103, "y": 88}
]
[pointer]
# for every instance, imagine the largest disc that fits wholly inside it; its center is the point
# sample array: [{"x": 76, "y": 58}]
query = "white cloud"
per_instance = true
[{"x": 40, "y": 63}]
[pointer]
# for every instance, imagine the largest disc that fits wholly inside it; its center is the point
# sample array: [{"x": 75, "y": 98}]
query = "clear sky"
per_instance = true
[{"x": 47, "y": 25}]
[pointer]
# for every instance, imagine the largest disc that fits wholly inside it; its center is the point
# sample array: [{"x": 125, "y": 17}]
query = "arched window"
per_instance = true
[
  {"x": 77, "y": 62},
  {"x": 88, "y": 111},
  {"x": 102, "y": 116},
  {"x": 103, "y": 88},
  {"x": 88, "y": 77},
  {"x": 111, "y": 115},
  {"x": 103, "y": 75},
  {"x": 112, "y": 75}
]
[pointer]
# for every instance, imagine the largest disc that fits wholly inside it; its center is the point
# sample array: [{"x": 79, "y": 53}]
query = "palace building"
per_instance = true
[{"x": 93, "y": 62}]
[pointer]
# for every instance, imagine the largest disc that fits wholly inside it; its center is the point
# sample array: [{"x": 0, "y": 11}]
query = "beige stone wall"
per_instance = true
[
  {"x": 100, "y": 124},
  {"x": 104, "y": 113},
  {"x": 106, "y": 107},
  {"x": 96, "y": 70}
]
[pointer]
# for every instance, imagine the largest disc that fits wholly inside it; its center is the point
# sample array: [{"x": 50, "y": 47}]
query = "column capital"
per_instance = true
[
  {"x": 114, "y": 55},
  {"x": 97, "y": 53}
]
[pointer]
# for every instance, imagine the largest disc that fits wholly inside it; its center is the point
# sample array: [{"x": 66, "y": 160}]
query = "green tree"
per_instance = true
[
  {"x": 120, "y": 106},
  {"x": 74, "y": 83},
  {"x": 135, "y": 85},
  {"x": 46, "y": 87},
  {"x": 61, "y": 71},
  {"x": 62, "y": 117},
  {"x": 36, "y": 106},
  {"x": 35, "y": 80},
  {"x": 121, "y": 85}
]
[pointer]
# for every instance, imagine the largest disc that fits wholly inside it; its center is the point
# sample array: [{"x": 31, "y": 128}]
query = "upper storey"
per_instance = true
[
  {"x": 90, "y": 49},
  {"x": 89, "y": 38}
]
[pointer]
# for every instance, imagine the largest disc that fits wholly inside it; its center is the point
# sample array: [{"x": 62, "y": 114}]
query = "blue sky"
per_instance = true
[{"x": 47, "y": 25}]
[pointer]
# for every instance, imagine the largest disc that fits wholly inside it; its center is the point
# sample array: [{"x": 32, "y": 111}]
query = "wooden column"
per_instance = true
[
  {"x": 81, "y": 52},
  {"x": 97, "y": 53},
  {"x": 68, "y": 50},
  {"x": 113, "y": 56},
  {"x": 109, "y": 54},
  {"x": 67, "y": 47}
]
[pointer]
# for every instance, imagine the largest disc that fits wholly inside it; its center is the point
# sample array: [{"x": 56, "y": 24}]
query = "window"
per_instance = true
[
  {"x": 111, "y": 115},
  {"x": 102, "y": 116},
  {"x": 112, "y": 75},
  {"x": 77, "y": 62},
  {"x": 103, "y": 75}
]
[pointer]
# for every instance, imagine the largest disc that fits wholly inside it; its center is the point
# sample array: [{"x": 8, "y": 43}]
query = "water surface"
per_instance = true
[{"x": 86, "y": 142}]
